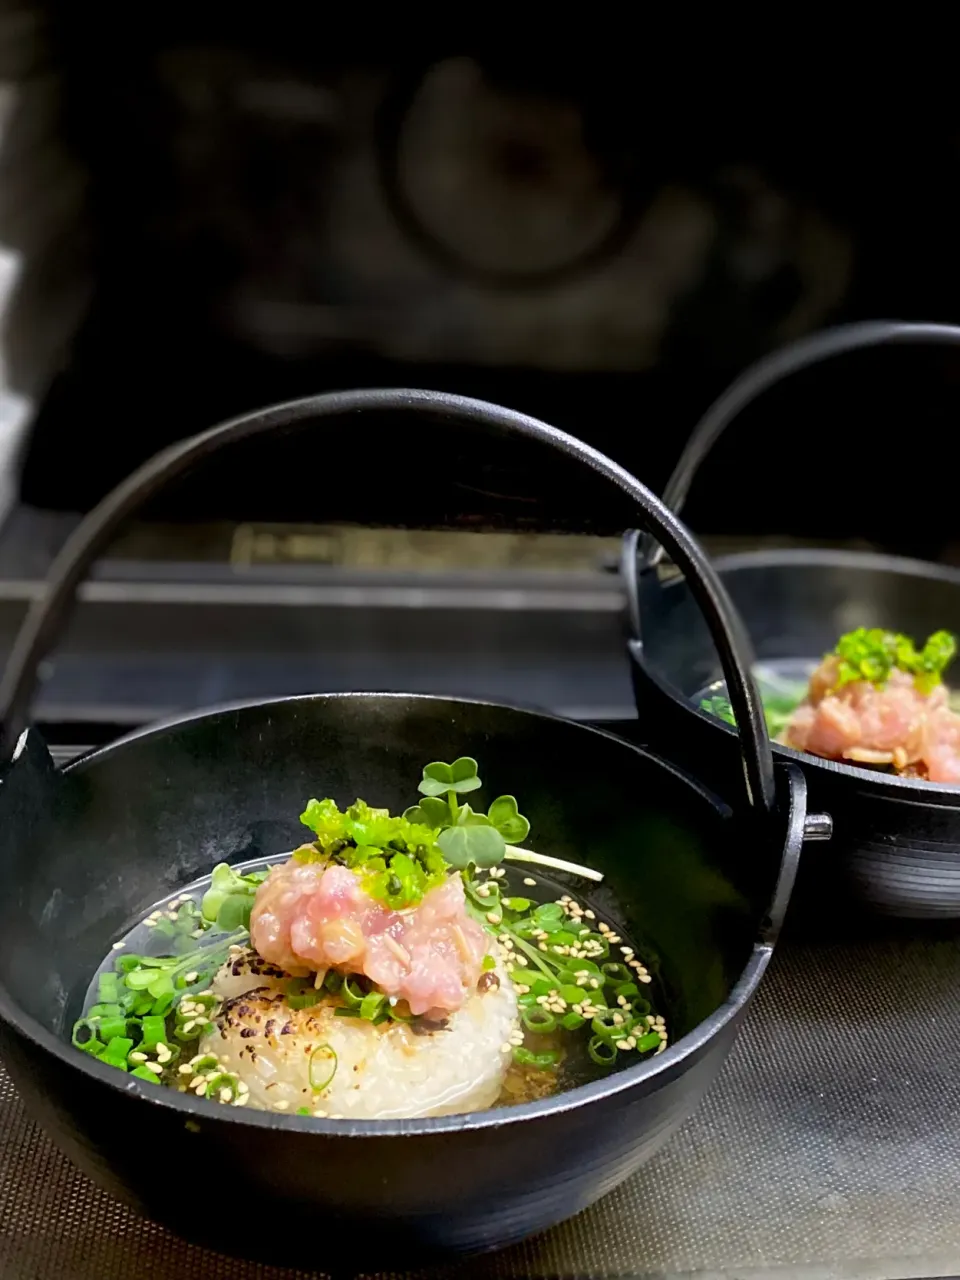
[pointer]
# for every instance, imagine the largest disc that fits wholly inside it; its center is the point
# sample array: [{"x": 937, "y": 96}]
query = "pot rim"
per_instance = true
[
  {"x": 666, "y": 1065},
  {"x": 785, "y": 558}
]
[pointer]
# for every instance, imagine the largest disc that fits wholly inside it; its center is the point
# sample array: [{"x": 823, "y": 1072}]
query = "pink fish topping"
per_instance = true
[
  {"x": 311, "y": 917},
  {"x": 917, "y": 733}
]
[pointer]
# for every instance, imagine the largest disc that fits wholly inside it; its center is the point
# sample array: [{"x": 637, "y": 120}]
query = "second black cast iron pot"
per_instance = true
[
  {"x": 84, "y": 853},
  {"x": 896, "y": 841}
]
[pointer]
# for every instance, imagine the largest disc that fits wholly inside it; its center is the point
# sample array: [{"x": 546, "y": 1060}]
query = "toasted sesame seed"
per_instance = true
[
  {"x": 225, "y": 1094},
  {"x": 186, "y": 1069},
  {"x": 483, "y": 891},
  {"x": 617, "y": 1019},
  {"x": 542, "y": 946},
  {"x": 522, "y": 961},
  {"x": 506, "y": 1047},
  {"x": 138, "y": 1057},
  {"x": 149, "y": 924},
  {"x": 191, "y": 977},
  {"x": 118, "y": 946},
  {"x": 281, "y": 1105},
  {"x": 529, "y": 880},
  {"x": 319, "y": 1113},
  {"x": 590, "y": 914},
  {"x": 623, "y": 1044},
  {"x": 494, "y": 917}
]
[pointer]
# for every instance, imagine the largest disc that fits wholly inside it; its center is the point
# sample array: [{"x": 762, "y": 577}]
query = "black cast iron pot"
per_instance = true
[
  {"x": 84, "y": 852},
  {"x": 896, "y": 841}
]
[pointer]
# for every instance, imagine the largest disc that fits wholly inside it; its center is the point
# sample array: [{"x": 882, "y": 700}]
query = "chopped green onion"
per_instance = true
[
  {"x": 603, "y": 1053},
  {"x": 572, "y": 1021},
  {"x": 301, "y": 993},
  {"x": 525, "y": 1058},
  {"x": 304, "y": 1000},
  {"x": 303, "y": 1111},
  {"x": 615, "y": 972},
  {"x": 604, "y": 1026},
  {"x": 108, "y": 986},
  {"x": 372, "y": 1005},
  {"x": 119, "y": 1046},
  {"x": 323, "y": 1067},
  {"x": 104, "y": 1011},
  {"x": 89, "y": 1042},
  {"x": 142, "y": 1073},
  {"x": 224, "y": 1080},
  {"x": 154, "y": 1032},
  {"x": 113, "y": 1028},
  {"x": 536, "y": 1018},
  {"x": 140, "y": 979},
  {"x": 570, "y": 992},
  {"x": 518, "y": 904},
  {"x": 648, "y": 1042},
  {"x": 488, "y": 963},
  {"x": 351, "y": 994}
]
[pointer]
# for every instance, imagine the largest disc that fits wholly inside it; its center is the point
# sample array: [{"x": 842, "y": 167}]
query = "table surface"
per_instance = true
[{"x": 829, "y": 1147}]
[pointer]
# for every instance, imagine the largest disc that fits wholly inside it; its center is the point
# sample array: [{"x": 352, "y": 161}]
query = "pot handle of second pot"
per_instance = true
[
  {"x": 47, "y": 616},
  {"x": 766, "y": 373}
]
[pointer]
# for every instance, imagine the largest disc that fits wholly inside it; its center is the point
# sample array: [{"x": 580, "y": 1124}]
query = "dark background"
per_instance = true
[{"x": 599, "y": 231}]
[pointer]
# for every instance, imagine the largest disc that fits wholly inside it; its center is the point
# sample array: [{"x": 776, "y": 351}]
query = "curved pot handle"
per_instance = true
[
  {"x": 46, "y": 618},
  {"x": 768, "y": 371}
]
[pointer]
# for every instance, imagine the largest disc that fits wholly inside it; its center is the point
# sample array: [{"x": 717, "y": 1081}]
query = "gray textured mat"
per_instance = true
[{"x": 830, "y": 1147}]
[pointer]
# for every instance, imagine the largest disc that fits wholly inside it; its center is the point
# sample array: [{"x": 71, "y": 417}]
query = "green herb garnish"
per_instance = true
[
  {"x": 564, "y": 977},
  {"x": 777, "y": 710},
  {"x": 871, "y": 654},
  {"x": 403, "y": 858},
  {"x": 229, "y": 900},
  {"x": 465, "y": 836}
]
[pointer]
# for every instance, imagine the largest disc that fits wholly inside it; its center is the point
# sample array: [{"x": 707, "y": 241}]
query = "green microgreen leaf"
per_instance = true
[
  {"x": 430, "y": 812},
  {"x": 483, "y": 846},
  {"x": 508, "y": 819},
  {"x": 459, "y": 777}
]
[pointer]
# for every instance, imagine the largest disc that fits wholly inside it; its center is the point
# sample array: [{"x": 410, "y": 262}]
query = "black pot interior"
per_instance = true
[
  {"x": 795, "y": 604},
  {"x": 85, "y": 854}
]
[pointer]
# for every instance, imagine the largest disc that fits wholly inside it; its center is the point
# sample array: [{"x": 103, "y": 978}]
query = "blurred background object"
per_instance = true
[{"x": 205, "y": 210}]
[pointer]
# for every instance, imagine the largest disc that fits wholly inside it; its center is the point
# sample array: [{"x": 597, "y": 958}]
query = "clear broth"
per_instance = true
[{"x": 523, "y": 1083}]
